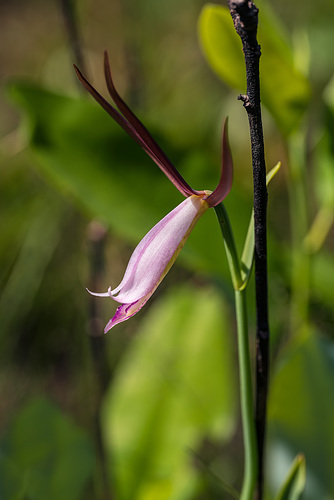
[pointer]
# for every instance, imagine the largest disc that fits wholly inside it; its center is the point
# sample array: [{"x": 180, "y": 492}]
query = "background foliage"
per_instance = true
[{"x": 150, "y": 411}]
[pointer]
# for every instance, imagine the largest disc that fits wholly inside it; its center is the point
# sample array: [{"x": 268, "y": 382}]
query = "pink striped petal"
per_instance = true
[{"x": 153, "y": 257}]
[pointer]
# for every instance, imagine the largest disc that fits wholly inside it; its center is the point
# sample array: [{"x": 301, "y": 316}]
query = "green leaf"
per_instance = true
[
  {"x": 284, "y": 90},
  {"x": 221, "y": 45},
  {"x": 247, "y": 256},
  {"x": 86, "y": 155},
  {"x": 294, "y": 483},
  {"x": 323, "y": 178},
  {"x": 51, "y": 456},
  {"x": 42, "y": 221},
  {"x": 324, "y": 175},
  {"x": 324, "y": 154},
  {"x": 322, "y": 279},
  {"x": 175, "y": 387},
  {"x": 301, "y": 410},
  {"x": 12, "y": 485}
]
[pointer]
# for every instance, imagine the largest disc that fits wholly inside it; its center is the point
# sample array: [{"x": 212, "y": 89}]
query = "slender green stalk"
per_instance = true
[
  {"x": 99, "y": 366},
  {"x": 231, "y": 251},
  {"x": 246, "y": 398},
  {"x": 245, "y": 375}
]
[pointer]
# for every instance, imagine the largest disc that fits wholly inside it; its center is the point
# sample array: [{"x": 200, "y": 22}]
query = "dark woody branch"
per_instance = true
[{"x": 245, "y": 17}]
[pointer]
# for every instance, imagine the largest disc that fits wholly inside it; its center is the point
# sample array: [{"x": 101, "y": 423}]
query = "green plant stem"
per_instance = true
[
  {"x": 99, "y": 365},
  {"x": 245, "y": 374},
  {"x": 69, "y": 12},
  {"x": 230, "y": 247},
  {"x": 246, "y": 398}
]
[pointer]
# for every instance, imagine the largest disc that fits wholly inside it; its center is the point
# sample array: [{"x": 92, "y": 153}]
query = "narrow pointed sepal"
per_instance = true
[
  {"x": 135, "y": 128},
  {"x": 226, "y": 177}
]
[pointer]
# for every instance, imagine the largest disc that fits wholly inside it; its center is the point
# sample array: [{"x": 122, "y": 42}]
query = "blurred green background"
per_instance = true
[{"x": 150, "y": 411}]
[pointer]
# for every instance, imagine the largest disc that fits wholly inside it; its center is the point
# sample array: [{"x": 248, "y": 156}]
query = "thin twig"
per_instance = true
[
  {"x": 97, "y": 239},
  {"x": 72, "y": 30},
  {"x": 245, "y": 17}
]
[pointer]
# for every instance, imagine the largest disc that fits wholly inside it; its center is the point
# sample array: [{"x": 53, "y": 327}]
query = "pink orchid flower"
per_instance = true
[{"x": 157, "y": 251}]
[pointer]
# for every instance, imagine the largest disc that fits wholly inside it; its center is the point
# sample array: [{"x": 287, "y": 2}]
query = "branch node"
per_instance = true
[{"x": 246, "y": 102}]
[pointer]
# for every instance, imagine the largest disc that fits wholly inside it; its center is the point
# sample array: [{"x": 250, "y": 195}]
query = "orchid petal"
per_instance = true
[
  {"x": 163, "y": 242},
  {"x": 226, "y": 177},
  {"x": 153, "y": 257}
]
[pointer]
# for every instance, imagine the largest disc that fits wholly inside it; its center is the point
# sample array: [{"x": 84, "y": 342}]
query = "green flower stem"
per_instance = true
[
  {"x": 231, "y": 252},
  {"x": 246, "y": 398},
  {"x": 246, "y": 393}
]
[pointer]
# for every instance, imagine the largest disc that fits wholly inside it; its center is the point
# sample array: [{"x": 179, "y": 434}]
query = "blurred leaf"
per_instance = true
[
  {"x": 86, "y": 155},
  {"x": 323, "y": 177},
  {"x": 294, "y": 483},
  {"x": 12, "y": 485},
  {"x": 319, "y": 229},
  {"x": 247, "y": 256},
  {"x": 324, "y": 174},
  {"x": 284, "y": 91},
  {"x": 322, "y": 279},
  {"x": 301, "y": 413},
  {"x": 40, "y": 236},
  {"x": 77, "y": 145},
  {"x": 324, "y": 153},
  {"x": 175, "y": 387},
  {"x": 52, "y": 457},
  {"x": 216, "y": 32}
]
